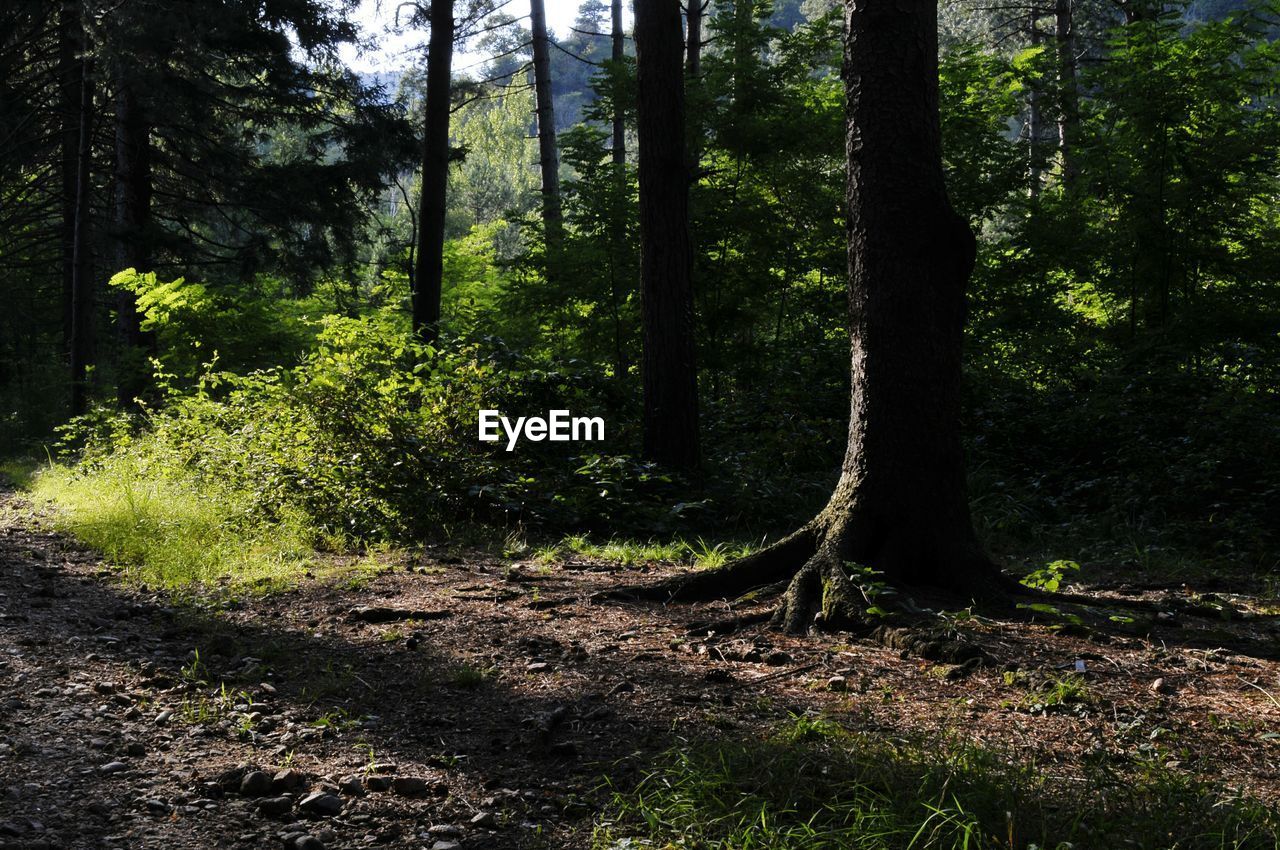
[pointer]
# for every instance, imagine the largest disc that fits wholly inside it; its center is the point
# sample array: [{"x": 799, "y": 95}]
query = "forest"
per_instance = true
[{"x": 714, "y": 424}]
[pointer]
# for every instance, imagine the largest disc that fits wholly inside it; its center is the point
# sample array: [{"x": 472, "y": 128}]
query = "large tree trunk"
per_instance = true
[
  {"x": 428, "y": 273},
  {"x": 132, "y": 236},
  {"x": 1068, "y": 94},
  {"x": 1035, "y": 118},
  {"x": 82, "y": 288},
  {"x": 548, "y": 153},
  {"x": 617, "y": 55},
  {"x": 666, "y": 293},
  {"x": 900, "y": 506}
]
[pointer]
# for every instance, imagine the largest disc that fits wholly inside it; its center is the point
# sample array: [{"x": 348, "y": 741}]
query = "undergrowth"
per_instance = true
[
  {"x": 814, "y": 785},
  {"x": 173, "y": 530}
]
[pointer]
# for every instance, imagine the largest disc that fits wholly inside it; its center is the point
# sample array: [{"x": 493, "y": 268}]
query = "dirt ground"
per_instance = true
[{"x": 477, "y": 702}]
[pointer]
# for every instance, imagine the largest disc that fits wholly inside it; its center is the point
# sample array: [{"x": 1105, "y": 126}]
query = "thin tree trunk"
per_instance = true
[
  {"x": 82, "y": 288},
  {"x": 132, "y": 236},
  {"x": 617, "y": 56},
  {"x": 432, "y": 205},
  {"x": 1035, "y": 119},
  {"x": 70, "y": 75},
  {"x": 1068, "y": 94},
  {"x": 618, "y": 228},
  {"x": 666, "y": 294},
  {"x": 548, "y": 153}
]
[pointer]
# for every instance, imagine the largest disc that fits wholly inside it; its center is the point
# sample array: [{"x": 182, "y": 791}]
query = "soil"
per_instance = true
[{"x": 479, "y": 702}]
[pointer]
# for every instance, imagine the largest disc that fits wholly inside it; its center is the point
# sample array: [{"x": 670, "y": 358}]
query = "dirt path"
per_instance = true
[{"x": 478, "y": 704}]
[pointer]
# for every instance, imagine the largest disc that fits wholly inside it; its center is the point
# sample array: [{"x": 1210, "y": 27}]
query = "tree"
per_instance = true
[
  {"x": 900, "y": 506},
  {"x": 666, "y": 292},
  {"x": 428, "y": 275},
  {"x": 548, "y": 153}
]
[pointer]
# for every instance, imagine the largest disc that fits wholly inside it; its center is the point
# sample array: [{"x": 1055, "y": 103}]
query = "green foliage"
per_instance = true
[
  {"x": 1050, "y": 576},
  {"x": 815, "y": 785}
]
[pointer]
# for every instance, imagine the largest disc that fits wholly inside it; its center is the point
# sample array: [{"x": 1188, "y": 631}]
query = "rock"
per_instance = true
[
  {"x": 288, "y": 780},
  {"x": 445, "y": 830},
  {"x": 777, "y": 658},
  {"x": 321, "y": 804},
  {"x": 274, "y": 807},
  {"x": 537, "y": 667},
  {"x": 446, "y": 845},
  {"x": 484, "y": 820},
  {"x": 381, "y": 614},
  {"x": 377, "y": 783},
  {"x": 351, "y": 786},
  {"x": 164, "y": 717},
  {"x": 1160, "y": 686},
  {"x": 308, "y": 842},
  {"x": 839, "y": 684},
  {"x": 136, "y": 748},
  {"x": 409, "y": 786},
  {"x": 256, "y": 783},
  {"x": 112, "y": 767},
  {"x": 383, "y": 767}
]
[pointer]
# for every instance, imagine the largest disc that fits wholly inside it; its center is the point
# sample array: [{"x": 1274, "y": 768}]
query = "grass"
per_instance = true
[
  {"x": 814, "y": 785},
  {"x": 172, "y": 530},
  {"x": 698, "y": 553}
]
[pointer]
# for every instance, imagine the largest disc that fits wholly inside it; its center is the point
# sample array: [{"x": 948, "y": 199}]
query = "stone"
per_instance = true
[
  {"x": 274, "y": 807},
  {"x": 113, "y": 767},
  {"x": 839, "y": 684},
  {"x": 409, "y": 786},
  {"x": 445, "y": 845},
  {"x": 321, "y": 804},
  {"x": 351, "y": 786},
  {"x": 377, "y": 783},
  {"x": 256, "y": 783},
  {"x": 484, "y": 820},
  {"x": 308, "y": 842},
  {"x": 288, "y": 780},
  {"x": 1160, "y": 686}
]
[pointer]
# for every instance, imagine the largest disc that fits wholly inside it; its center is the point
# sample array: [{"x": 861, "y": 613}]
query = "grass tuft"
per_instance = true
[
  {"x": 817, "y": 786},
  {"x": 171, "y": 530}
]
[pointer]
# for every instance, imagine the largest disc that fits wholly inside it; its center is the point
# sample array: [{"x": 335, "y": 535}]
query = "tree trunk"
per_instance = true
[
  {"x": 432, "y": 205},
  {"x": 70, "y": 75},
  {"x": 1035, "y": 119},
  {"x": 132, "y": 236},
  {"x": 1068, "y": 94},
  {"x": 900, "y": 506},
  {"x": 666, "y": 293},
  {"x": 618, "y": 213},
  {"x": 82, "y": 289},
  {"x": 617, "y": 56},
  {"x": 548, "y": 154}
]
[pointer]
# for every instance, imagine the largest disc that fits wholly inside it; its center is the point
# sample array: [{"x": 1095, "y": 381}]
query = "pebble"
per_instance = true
[
  {"x": 308, "y": 842},
  {"x": 445, "y": 845},
  {"x": 112, "y": 767},
  {"x": 839, "y": 684},
  {"x": 484, "y": 820}
]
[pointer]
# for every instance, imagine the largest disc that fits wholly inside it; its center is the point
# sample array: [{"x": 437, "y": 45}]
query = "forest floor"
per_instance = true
[{"x": 478, "y": 702}]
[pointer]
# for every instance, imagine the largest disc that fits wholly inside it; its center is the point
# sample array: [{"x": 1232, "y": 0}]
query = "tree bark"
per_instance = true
[
  {"x": 900, "y": 506},
  {"x": 82, "y": 288},
  {"x": 70, "y": 75},
  {"x": 666, "y": 294},
  {"x": 617, "y": 56},
  {"x": 1068, "y": 93},
  {"x": 548, "y": 153},
  {"x": 132, "y": 236},
  {"x": 1035, "y": 118},
  {"x": 433, "y": 202}
]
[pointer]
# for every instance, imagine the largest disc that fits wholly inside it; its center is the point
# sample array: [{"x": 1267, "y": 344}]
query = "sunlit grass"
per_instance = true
[
  {"x": 174, "y": 531},
  {"x": 698, "y": 553}
]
